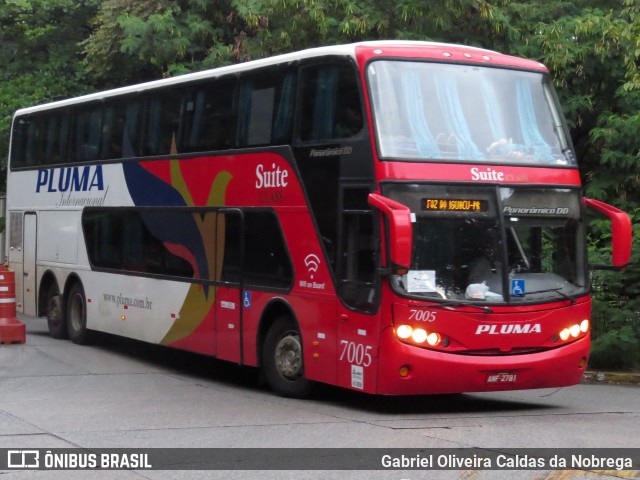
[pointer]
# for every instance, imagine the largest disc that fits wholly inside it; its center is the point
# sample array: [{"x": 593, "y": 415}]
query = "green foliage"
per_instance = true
[
  {"x": 143, "y": 40},
  {"x": 618, "y": 349},
  {"x": 593, "y": 54},
  {"x": 616, "y": 304},
  {"x": 39, "y": 58}
]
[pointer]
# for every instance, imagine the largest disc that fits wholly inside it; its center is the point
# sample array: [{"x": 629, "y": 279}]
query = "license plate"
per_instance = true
[{"x": 502, "y": 378}]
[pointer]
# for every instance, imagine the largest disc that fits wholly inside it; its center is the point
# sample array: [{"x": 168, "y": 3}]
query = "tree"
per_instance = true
[
  {"x": 594, "y": 56},
  {"x": 39, "y": 57},
  {"x": 134, "y": 41}
]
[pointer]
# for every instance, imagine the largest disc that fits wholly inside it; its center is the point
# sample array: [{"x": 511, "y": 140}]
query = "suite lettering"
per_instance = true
[
  {"x": 271, "y": 182},
  {"x": 273, "y": 178},
  {"x": 70, "y": 179},
  {"x": 487, "y": 174}
]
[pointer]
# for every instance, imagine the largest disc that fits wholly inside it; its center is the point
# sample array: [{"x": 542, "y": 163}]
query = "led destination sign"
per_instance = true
[{"x": 454, "y": 205}]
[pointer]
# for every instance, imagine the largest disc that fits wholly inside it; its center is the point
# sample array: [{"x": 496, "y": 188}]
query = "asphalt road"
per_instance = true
[{"x": 120, "y": 393}]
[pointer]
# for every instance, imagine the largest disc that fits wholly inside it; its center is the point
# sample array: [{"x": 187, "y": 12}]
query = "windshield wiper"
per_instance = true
[
  {"x": 556, "y": 290},
  {"x": 453, "y": 303}
]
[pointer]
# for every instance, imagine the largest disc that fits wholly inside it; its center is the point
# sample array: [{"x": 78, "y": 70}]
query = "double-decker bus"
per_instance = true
[{"x": 389, "y": 217}]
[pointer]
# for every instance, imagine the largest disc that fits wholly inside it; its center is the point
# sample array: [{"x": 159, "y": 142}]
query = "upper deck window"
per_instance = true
[{"x": 434, "y": 111}]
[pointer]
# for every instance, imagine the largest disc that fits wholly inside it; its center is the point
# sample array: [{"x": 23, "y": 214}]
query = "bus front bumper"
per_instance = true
[{"x": 409, "y": 370}]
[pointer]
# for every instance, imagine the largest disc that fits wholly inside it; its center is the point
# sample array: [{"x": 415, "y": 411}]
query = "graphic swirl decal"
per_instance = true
[{"x": 191, "y": 237}]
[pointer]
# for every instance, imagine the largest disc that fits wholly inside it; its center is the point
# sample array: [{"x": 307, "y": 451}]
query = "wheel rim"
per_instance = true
[
  {"x": 288, "y": 357},
  {"x": 76, "y": 312}
]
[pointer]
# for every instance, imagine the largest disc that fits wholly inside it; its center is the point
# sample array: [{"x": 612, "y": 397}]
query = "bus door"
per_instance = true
[
  {"x": 22, "y": 258},
  {"x": 29, "y": 263},
  {"x": 228, "y": 309},
  {"x": 359, "y": 292}
]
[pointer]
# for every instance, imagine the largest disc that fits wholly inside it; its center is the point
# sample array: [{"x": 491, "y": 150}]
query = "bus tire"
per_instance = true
[
  {"x": 55, "y": 315},
  {"x": 77, "y": 315},
  {"x": 283, "y": 360}
]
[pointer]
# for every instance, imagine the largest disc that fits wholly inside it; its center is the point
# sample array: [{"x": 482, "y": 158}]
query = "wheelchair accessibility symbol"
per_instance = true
[
  {"x": 246, "y": 299},
  {"x": 517, "y": 288}
]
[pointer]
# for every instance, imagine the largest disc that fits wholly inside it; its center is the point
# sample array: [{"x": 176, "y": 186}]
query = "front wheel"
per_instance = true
[
  {"x": 77, "y": 315},
  {"x": 283, "y": 360}
]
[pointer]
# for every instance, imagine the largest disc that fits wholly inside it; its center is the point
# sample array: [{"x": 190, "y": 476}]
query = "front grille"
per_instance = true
[{"x": 501, "y": 353}]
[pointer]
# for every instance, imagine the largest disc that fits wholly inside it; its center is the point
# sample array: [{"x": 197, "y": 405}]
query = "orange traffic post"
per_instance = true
[{"x": 11, "y": 329}]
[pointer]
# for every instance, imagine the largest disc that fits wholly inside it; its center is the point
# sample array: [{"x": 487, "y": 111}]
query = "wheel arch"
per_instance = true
[
  {"x": 276, "y": 308},
  {"x": 72, "y": 279}
]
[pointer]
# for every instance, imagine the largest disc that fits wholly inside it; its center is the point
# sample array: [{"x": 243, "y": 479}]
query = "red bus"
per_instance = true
[{"x": 390, "y": 217}]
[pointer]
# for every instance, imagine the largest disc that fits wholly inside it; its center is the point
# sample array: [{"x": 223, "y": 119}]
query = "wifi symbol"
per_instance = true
[{"x": 312, "y": 262}]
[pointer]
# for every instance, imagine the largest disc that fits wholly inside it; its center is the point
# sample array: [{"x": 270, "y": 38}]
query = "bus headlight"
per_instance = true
[
  {"x": 404, "y": 331},
  {"x": 418, "y": 335},
  {"x": 584, "y": 326},
  {"x": 573, "y": 331},
  {"x": 433, "y": 339}
]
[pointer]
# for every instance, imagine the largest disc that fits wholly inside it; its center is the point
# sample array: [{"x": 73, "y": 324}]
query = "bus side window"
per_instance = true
[
  {"x": 265, "y": 108},
  {"x": 35, "y": 141},
  {"x": 20, "y": 141},
  {"x": 113, "y": 126},
  {"x": 88, "y": 133},
  {"x": 331, "y": 107},
  {"x": 208, "y": 114},
  {"x": 266, "y": 260},
  {"x": 57, "y": 138},
  {"x": 162, "y": 122},
  {"x": 127, "y": 240},
  {"x": 229, "y": 245},
  {"x": 103, "y": 233}
]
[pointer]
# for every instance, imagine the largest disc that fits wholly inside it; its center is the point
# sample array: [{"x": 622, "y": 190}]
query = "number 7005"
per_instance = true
[{"x": 356, "y": 353}]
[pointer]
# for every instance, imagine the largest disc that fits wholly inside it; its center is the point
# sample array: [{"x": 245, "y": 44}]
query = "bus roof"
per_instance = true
[{"x": 361, "y": 52}]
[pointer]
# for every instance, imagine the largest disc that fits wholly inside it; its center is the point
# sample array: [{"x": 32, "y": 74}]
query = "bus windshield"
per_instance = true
[
  {"x": 433, "y": 111},
  {"x": 492, "y": 244}
]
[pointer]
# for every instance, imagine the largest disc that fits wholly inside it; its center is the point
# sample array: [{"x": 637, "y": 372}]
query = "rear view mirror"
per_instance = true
[
  {"x": 400, "y": 229},
  {"x": 621, "y": 233}
]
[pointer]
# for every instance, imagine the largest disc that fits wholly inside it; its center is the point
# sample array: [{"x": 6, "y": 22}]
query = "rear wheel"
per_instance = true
[
  {"x": 283, "y": 360},
  {"x": 77, "y": 315},
  {"x": 55, "y": 314}
]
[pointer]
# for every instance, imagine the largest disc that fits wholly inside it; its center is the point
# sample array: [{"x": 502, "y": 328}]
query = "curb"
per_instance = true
[{"x": 618, "y": 378}]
